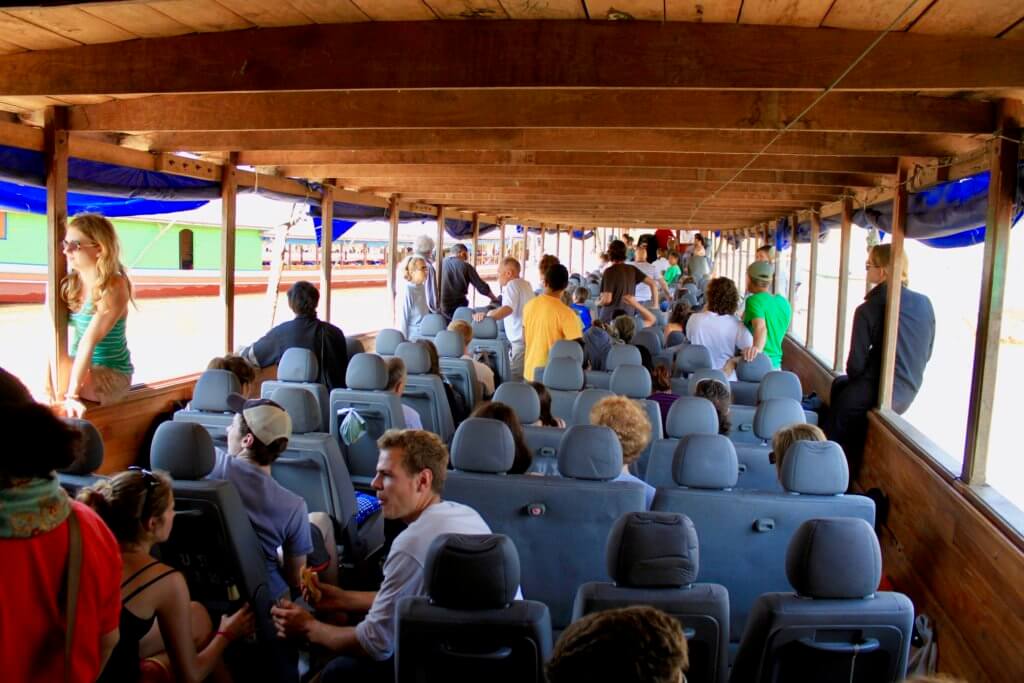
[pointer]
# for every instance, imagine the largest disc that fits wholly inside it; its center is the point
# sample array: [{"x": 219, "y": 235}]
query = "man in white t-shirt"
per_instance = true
[
  {"x": 718, "y": 328},
  {"x": 515, "y": 294},
  {"x": 411, "y": 470},
  {"x": 643, "y": 292}
]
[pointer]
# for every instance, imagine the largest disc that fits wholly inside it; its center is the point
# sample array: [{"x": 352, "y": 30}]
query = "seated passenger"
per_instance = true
[
  {"x": 579, "y": 304},
  {"x": 623, "y": 328},
  {"x": 306, "y": 331},
  {"x": 661, "y": 383},
  {"x": 258, "y": 435},
  {"x": 630, "y": 423},
  {"x": 677, "y": 319},
  {"x": 546, "y": 418},
  {"x": 164, "y": 635},
  {"x": 628, "y": 645},
  {"x": 35, "y": 527},
  {"x": 484, "y": 374},
  {"x": 396, "y": 384},
  {"x": 499, "y": 411},
  {"x": 786, "y": 437},
  {"x": 716, "y": 392},
  {"x": 410, "y": 478},
  {"x": 239, "y": 367},
  {"x": 456, "y": 402},
  {"x": 718, "y": 328}
]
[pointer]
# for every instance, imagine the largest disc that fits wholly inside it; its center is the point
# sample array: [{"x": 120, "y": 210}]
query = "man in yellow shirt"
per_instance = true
[{"x": 547, "y": 320}]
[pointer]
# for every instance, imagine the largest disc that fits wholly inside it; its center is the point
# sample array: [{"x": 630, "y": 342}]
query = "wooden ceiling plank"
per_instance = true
[
  {"x": 31, "y": 37},
  {"x": 518, "y": 54},
  {"x": 711, "y": 11},
  {"x": 329, "y": 11},
  {"x": 467, "y": 9},
  {"x": 73, "y": 24},
  {"x": 784, "y": 12},
  {"x": 666, "y": 110},
  {"x": 1015, "y": 32},
  {"x": 544, "y": 9},
  {"x": 871, "y": 15},
  {"x": 267, "y": 13},
  {"x": 620, "y": 10},
  {"x": 962, "y": 17},
  {"x": 441, "y": 185},
  {"x": 395, "y": 10},
  {"x": 138, "y": 18},
  {"x": 205, "y": 16},
  {"x": 7, "y": 48}
]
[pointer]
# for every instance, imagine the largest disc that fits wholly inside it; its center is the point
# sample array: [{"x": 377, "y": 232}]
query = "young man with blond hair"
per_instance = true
[{"x": 515, "y": 294}]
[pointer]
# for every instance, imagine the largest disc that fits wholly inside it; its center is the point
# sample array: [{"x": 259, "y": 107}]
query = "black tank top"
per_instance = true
[{"x": 123, "y": 664}]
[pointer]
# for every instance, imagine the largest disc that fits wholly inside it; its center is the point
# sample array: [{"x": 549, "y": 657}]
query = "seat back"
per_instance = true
[
  {"x": 458, "y": 370},
  {"x": 567, "y": 348},
  {"x": 431, "y": 324},
  {"x": 353, "y": 346},
  {"x": 542, "y": 441},
  {"x": 563, "y": 378},
  {"x": 80, "y": 473},
  {"x": 209, "y": 405},
  {"x": 836, "y": 626},
  {"x": 744, "y": 534},
  {"x": 774, "y": 414},
  {"x": 560, "y": 524},
  {"x": 463, "y": 313},
  {"x": 585, "y": 401},
  {"x": 469, "y": 626},
  {"x": 633, "y": 381},
  {"x": 779, "y": 384},
  {"x": 486, "y": 338},
  {"x": 379, "y": 409},
  {"x": 649, "y": 340},
  {"x": 688, "y": 415},
  {"x": 213, "y": 543},
  {"x": 652, "y": 559},
  {"x": 618, "y": 354},
  {"x": 299, "y": 368},
  {"x": 424, "y": 392},
  {"x": 387, "y": 341},
  {"x": 692, "y": 357}
]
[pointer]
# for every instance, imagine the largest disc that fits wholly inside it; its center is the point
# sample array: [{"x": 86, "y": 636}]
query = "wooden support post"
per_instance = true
[
  {"x": 326, "y": 246},
  {"x": 844, "y": 284},
  {"x": 501, "y": 232},
  {"x": 229, "y": 208},
  {"x": 55, "y": 155},
  {"x": 392, "y": 255},
  {"x": 813, "y": 277},
  {"x": 475, "y": 243},
  {"x": 440, "y": 257},
  {"x": 583, "y": 250},
  {"x": 1004, "y": 155},
  {"x": 569, "y": 266},
  {"x": 558, "y": 244},
  {"x": 895, "y": 285},
  {"x": 526, "y": 247}
]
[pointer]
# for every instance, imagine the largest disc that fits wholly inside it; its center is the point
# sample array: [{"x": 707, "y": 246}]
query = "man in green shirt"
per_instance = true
[{"x": 767, "y": 315}]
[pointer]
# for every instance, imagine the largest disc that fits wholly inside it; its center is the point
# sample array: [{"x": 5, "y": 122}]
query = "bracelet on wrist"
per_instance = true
[{"x": 225, "y": 635}]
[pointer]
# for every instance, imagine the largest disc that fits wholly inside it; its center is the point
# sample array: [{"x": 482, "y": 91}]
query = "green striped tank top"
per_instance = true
[{"x": 111, "y": 351}]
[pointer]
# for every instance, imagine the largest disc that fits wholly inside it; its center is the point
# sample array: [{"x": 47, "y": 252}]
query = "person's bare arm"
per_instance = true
[
  {"x": 292, "y": 569},
  {"x": 497, "y": 314},
  {"x": 649, "y": 281},
  {"x": 111, "y": 309},
  {"x": 108, "y": 641},
  {"x": 605, "y": 299},
  {"x": 648, "y": 317},
  {"x": 291, "y": 621},
  {"x": 760, "y": 338}
]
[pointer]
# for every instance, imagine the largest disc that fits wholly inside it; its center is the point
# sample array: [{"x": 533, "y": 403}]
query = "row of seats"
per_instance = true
[{"x": 488, "y": 337}]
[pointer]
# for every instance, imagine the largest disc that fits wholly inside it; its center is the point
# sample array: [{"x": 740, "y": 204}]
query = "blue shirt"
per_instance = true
[
  {"x": 279, "y": 517},
  {"x": 648, "y": 489},
  {"x": 584, "y": 313}
]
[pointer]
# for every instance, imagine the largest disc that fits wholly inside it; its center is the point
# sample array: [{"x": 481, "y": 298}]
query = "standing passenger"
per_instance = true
[
  {"x": 547, "y": 320},
  {"x": 766, "y": 253},
  {"x": 766, "y": 315},
  {"x": 424, "y": 248},
  {"x": 515, "y": 294},
  {"x": 619, "y": 281},
  {"x": 457, "y": 274},
  {"x": 412, "y": 296},
  {"x": 718, "y": 328},
  {"x": 698, "y": 265}
]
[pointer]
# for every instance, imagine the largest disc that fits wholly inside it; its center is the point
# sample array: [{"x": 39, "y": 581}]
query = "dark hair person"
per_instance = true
[
  {"x": 546, "y": 418},
  {"x": 718, "y": 393},
  {"x": 502, "y": 412}
]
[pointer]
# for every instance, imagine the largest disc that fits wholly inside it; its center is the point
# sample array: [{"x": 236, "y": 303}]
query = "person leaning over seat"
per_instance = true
[
  {"x": 411, "y": 471},
  {"x": 515, "y": 293},
  {"x": 457, "y": 274},
  {"x": 766, "y": 315}
]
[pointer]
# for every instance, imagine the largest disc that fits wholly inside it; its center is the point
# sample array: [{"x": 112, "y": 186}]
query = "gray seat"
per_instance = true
[
  {"x": 653, "y": 559},
  {"x": 213, "y": 543},
  {"x": 314, "y": 469},
  {"x": 705, "y": 373},
  {"x": 676, "y": 338},
  {"x": 486, "y": 338},
  {"x": 563, "y": 348},
  {"x": 353, "y": 346},
  {"x": 209, "y": 405},
  {"x": 835, "y": 625},
  {"x": 80, "y": 473},
  {"x": 618, "y": 354},
  {"x": 470, "y": 626},
  {"x": 585, "y": 401},
  {"x": 299, "y": 368},
  {"x": 463, "y": 313},
  {"x": 650, "y": 339},
  {"x": 633, "y": 381},
  {"x": 431, "y": 324},
  {"x": 768, "y": 417},
  {"x": 379, "y": 409},
  {"x": 688, "y": 415},
  {"x": 459, "y": 371},
  {"x": 748, "y": 379},
  {"x": 689, "y": 359},
  {"x": 543, "y": 441},
  {"x": 745, "y": 533},
  {"x": 560, "y": 524},
  {"x": 563, "y": 378},
  {"x": 774, "y": 384},
  {"x": 425, "y": 392},
  {"x": 387, "y": 341}
]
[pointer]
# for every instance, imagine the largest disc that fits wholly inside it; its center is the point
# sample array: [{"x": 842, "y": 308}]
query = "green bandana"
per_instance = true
[{"x": 29, "y": 507}]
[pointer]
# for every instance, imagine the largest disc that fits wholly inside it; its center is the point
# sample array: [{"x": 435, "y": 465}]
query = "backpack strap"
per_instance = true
[{"x": 74, "y": 576}]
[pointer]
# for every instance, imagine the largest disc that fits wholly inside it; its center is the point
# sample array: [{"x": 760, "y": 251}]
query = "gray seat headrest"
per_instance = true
[
  {"x": 815, "y": 467},
  {"x": 590, "y": 452},
  {"x": 705, "y": 461},
  {"x": 472, "y": 572},
  {"x": 212, "y": 390},
  {"x": 463, "y": 313},
  {"x": 298, "y": 365},
  {"x": 755, "y": 370},
  {"x": 301, "y": 406},
  {"x": 387, "y": 341},
  {"x": 567, "y": 348},
  {"x": 366, "y": 372},
  {"x": 485, "y": 329},
  {"x": 415, "y": 356},
  {"x": 353, "y": 346},
  {"x": 585, "y": 402},
  {"x": 676, "y": 338},
  {"x": 622, "y": 354},
  {"x": 563, "y": 374},
  {"x": 521, "y": 398},
  {"x": 779, "y": 384},
  {"x": 182, "y": 449},
  {"x": 707, "y": 373},
  {"x": 693, "y": 357},
  {"x": 431, "y": 324},
  {"x": 653, "y": 549},
  {"x": 482, "y": 444},
  {"x": 774, "y": 414},
  {"x": 691, "y": 288},
  {"x": 691, "y": 415},
  {"x": 632, "y": 381},
  {"x": 690, "y": 299},
  {"x": 649, "y": 339},
  {"x": 834, "y": 558},
  {"x": 449, "y": 344},
  {"x": 91, "y": 457}
]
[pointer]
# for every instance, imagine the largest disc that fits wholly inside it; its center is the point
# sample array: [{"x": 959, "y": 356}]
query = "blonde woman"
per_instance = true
[
  {"x": 412, "y": 295},
  {"x": 97, "y": 291}
]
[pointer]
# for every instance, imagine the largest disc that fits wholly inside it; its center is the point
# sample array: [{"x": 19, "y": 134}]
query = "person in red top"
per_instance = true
[{"x": 34, "y": 514}]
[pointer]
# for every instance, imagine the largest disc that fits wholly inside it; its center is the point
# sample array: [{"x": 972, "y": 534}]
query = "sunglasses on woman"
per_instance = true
[
  {"x": 151, "y": 483},
  {"x": 72, "y": 246}
]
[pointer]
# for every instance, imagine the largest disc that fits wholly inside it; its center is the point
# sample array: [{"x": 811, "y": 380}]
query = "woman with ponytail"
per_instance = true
[
  {"x": 164, "y": 636},
  {"x": 97, "y": 291}
]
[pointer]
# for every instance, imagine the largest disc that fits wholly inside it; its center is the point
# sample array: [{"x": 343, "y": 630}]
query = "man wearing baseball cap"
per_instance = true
[
  {"x": 766, "y": 315},
  {"x": 258, "y": 435}
]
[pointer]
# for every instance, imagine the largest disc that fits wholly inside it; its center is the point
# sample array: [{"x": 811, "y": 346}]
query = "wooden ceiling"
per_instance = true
[{"x": 668, "y": 115}]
